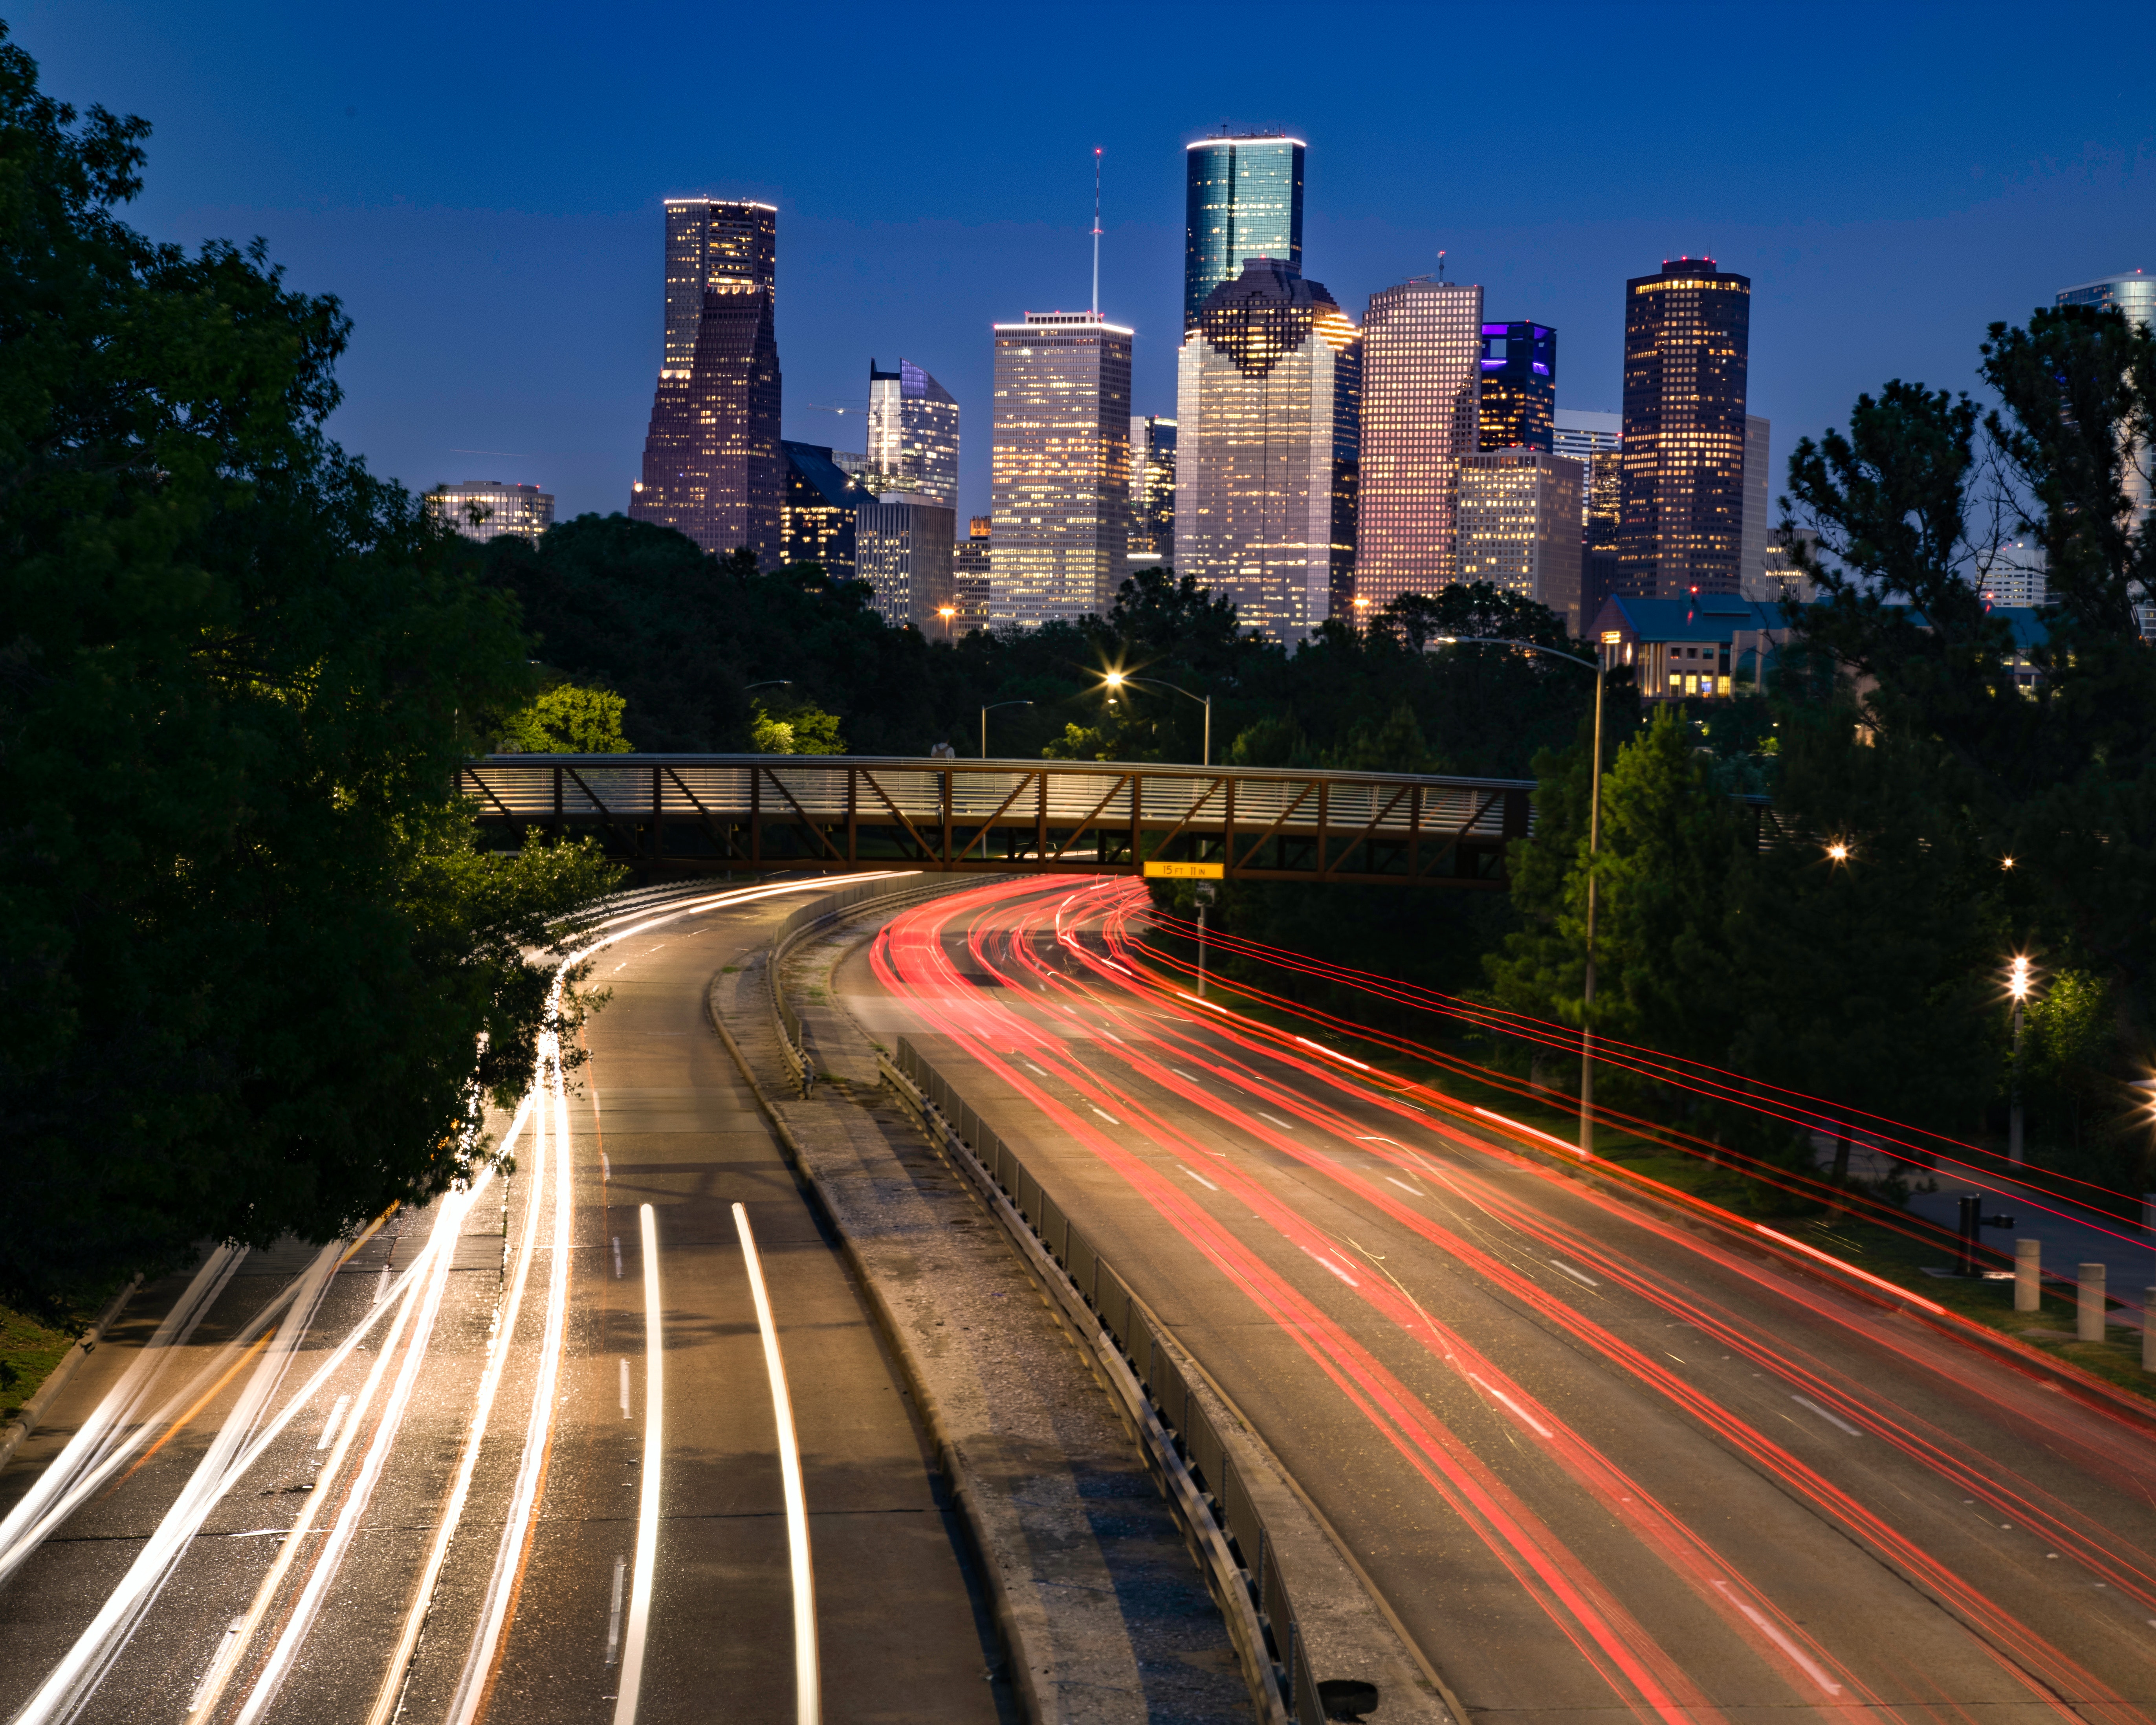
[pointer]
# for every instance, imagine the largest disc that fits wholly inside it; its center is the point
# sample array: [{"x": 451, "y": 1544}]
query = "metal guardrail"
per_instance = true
[
  {"x": 706, "y": 812},
  {"x": 1219, "y": 1515},
  {"x": 821, "y": 913}
]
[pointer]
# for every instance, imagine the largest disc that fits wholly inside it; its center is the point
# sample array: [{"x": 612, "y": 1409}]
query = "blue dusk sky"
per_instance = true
[{"x": 480, "y": 185}]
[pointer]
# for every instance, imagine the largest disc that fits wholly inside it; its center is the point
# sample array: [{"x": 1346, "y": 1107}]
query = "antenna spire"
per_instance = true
[
  {"x": 1096, "y": 231},
  {"x": 1440, "y": 266}
]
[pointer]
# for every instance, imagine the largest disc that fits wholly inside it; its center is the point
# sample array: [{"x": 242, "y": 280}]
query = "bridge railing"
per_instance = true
[{"x": 844, "y": 812}]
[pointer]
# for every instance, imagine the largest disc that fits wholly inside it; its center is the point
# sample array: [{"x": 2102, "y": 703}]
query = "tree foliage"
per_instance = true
[{"x": 257, "y": 977}]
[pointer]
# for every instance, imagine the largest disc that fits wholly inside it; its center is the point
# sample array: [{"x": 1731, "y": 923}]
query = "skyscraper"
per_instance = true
[
  {"x": 1519, "y": 385},
  {"x": 1060, "y": 469},
  {"x": 1421, "y": 415},
  {"x": 1597, "y": 442},
  {"x": 913, "y": 434},
  {"x": 1268, "y": 386},
  {"x": 712, "y": 466},
  {"x": 1153, "y": 491},
  {"x": 1243, "y": 199},
  {"x": 1758, "y": 501},
  {"x": 903, "y": 547},
  {"x": 816, "y": 520},
  {"x": 1681, "y": 525},
  {"x": 1519, "y": 527}
]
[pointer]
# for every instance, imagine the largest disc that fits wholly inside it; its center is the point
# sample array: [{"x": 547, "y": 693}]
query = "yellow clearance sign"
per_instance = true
[{"x": 1185, "y": 871}]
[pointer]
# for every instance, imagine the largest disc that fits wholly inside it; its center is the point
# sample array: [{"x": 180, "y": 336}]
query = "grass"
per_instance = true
[{"x": 29, "y": 1352}]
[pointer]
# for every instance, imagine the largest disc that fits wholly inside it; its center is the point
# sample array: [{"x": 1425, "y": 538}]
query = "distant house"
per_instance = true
[{"x": 1714, "y": 646}]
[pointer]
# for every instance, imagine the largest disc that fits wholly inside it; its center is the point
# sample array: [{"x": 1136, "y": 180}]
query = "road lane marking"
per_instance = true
[
  {"x": 1183, "y": 1075},
  {"x": 1519, "y": 1413},
  {"x": 1030, "y": 1067},
  {"x": 1277, "y": 1122},
  {"x": 624, "y": 1389},
  {"x": 1334, "y": 1052},
  {"x": 613, "y": 1613},
  {"x": 1404, "y": 1187},
  {"x": 381, "y": 1286},
  {"x": 808, "y": 1692},
  {"x": 1578, "y": 1276},
  {"x": 329, "y": 1426},
  {"x": 1110, "y": 1118},
  {"x": 655, "y": 1456},
  {"x": 1201, "y": 1179},
  {"x": 1803, "y": 1661},
  {"x": 1830, "y": 1419},
  {"x": 617, "y": 1257}
]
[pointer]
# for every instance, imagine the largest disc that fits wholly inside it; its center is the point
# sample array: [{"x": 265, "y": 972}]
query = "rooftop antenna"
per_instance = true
[
  {"x": 1440, "y": 267},
  {"x": 1096, "y": 231}
]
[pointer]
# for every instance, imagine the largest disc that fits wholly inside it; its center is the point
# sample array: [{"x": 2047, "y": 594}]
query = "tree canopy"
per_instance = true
[{"x": 258, "y": 979}]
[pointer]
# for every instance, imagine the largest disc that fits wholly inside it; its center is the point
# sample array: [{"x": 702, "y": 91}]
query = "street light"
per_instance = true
[
  {"x": 985, "y": 711},
  {"x": 770, "y": 683},
  {"x": 1115, "y": 680},
  {"x": 2017, "y": 985},
  {"x": 1594, "y": 852}
]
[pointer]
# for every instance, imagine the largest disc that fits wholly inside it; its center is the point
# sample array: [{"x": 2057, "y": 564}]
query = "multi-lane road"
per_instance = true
[
  {"x": 1597, "y": 1462},
  {"x": 518, "y": 1455}
]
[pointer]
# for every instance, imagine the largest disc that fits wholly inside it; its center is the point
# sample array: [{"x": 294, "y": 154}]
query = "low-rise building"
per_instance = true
[{"x": 487, "y": 509}]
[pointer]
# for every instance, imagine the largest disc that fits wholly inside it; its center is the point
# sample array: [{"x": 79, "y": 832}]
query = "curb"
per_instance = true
[{"x": 31, "y": 1411}]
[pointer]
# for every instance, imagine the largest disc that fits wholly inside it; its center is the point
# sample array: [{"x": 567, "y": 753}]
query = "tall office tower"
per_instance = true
[
  {"x": 1243, "y": 199},
  {"x": 1758, "y": 503},
  {"x": 1421, "y": 415},
  {"x": 1519, "y": 527},
  {"x": 1596, "y": 441},
  {"x": 1267, "y": 393},
  {"x": 1686, "y": 332},
  {"x": 969, "y": 574},
  {"x": 913, "y": 434},
  {"x": 2134, "y": 294},
  {"x": 1519, "y": 386},
  {"x": 903, "y": 547},
  {"x": 487, "y": 509},
  {"x": 816, "y": 522},
  {"x": 1153, "y": 491},
  {"x": 712, "y": 466},
  {"x": 1061, "y": 467}
]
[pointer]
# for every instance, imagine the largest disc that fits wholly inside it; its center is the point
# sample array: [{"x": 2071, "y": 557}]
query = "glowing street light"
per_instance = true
[
  {"x": 1837, "y": 852},
  {"x": 1116, "y": 680}
]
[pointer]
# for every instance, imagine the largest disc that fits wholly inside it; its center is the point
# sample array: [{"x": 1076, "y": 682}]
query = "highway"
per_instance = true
[
  {"x": 1599, "y": 1463},
  {"x": 543, "y": 1451}
]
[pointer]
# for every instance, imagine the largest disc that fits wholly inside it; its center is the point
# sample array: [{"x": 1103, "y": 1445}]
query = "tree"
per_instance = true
[
  {"x": 252, "y": 948},
  {"x": 567, "y": 720},
  {"x": 804, "y": 730}
]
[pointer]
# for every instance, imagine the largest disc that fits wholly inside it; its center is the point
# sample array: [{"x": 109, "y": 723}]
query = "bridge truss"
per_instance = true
[{"x": 683, "y": 815}]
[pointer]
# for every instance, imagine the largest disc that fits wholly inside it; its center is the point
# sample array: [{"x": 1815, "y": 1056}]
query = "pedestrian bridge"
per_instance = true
[{"x": 683, "y": 815}]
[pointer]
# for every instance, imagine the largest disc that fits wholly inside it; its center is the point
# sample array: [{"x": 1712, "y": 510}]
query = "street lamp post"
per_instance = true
[
  {"x": 1593, "y": 851},
  {"x": 2017, "y": 984},
  {"x": 985, "y": 711},
  {"x": 1116, "y": 680}
]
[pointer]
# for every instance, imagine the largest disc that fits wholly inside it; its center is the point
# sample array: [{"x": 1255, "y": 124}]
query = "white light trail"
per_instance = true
[
  {"x": 655, "y": 1455},
  {"x": 808, "y": 1689}
]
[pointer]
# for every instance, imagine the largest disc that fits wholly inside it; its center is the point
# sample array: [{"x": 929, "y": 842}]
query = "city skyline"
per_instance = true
[{"x": 455, "y": 232}]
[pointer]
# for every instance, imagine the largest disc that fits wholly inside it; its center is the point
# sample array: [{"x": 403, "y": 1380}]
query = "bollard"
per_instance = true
[
  {"x": 2088, "y": 1317},
  {"x": 2148, "y": 1329},
  {"x": 2028, "y": 1276}
]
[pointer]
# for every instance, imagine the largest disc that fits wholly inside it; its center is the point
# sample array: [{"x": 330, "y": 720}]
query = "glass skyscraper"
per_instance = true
[
  {"x": 1597, "y": 442},
  {"x": 817, "y": 521},
  {"x": 1680, "y": 527},
  {"x": 913, "y": 434},
  {"x": 1153, "y": 491},
  {"x": 1268, "y": 390},
  {"x": 904, "y": 551},
  {"x": 1243, "y": 200},
  {"x": 1519, "y": 386},
  {"x": 1422, "y": 394},
  {"x": 1060, "y": 468},
  {"x": 712, "y": 465}
]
